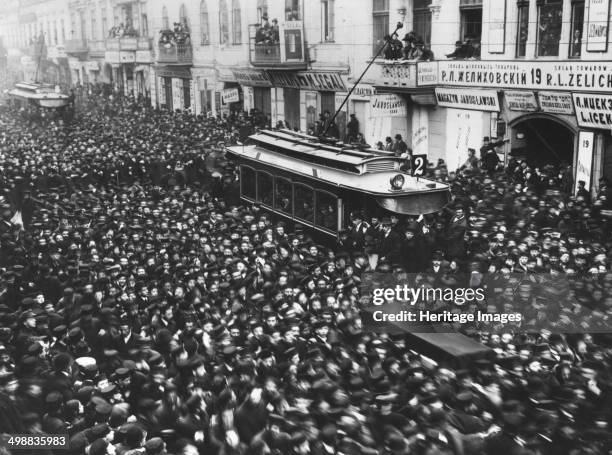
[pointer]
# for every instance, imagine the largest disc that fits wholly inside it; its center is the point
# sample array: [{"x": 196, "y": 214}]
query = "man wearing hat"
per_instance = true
[{"x": 389, "y": 242}]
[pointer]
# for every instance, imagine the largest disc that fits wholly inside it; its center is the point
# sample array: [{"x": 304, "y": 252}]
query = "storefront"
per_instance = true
[
  {"x": 256, "y": 87},
  {"x": 173, "y": 87},
  {"x": 552, "y": 113},
  {"x": 299, "y": 98}
]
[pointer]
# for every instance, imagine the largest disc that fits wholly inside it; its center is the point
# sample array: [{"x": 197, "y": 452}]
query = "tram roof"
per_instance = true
[
  {"x": 376, "y": 183},
  {"x": 293, "y": 143}
]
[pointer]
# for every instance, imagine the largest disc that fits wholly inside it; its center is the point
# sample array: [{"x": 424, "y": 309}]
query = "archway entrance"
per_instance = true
[{"x": 542, "y": 140}]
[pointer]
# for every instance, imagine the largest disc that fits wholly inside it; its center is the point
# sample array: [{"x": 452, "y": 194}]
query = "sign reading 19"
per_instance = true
[{"x": 536, "y": 76}]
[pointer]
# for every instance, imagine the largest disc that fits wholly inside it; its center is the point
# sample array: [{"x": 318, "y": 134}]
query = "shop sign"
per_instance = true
[
  {"x": 363, "y": 92},
  {"x": 521, "y": 101},
  {"x": 388, "y": 105},
  {"x": 427, "y": 73},
  {"x": 497, "y": 26},
  {"x": 593, "y": 111},
  {"x": 585, "y": 159},
  {"x": 127, "y": 57},
  {"x": 525, "y": 75},
  {"x": 478, "y": 100},
  {"x": 597, "y": 25},
  {"x": 556, "y": 103},
  {"x": 92, "y": 66},
  {"x": 306, "y": 80},
  {"x": 177, "y": 93},
  {"x": 252, "y": 78},
  {"x": 230, "y": 95}
]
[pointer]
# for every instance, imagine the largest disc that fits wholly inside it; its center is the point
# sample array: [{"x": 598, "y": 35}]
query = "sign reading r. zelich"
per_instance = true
[
  {"x": 573, "y": 76},
  {"x": 593, "y": 111},
  {"x": 478, "y": 100}
]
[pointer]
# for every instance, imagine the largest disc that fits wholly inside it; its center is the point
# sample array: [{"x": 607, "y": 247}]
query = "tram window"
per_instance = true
[
  {"x": 248, "y": 182},
  {"x": 283, "y": 199},
  {"x": 326, "y": 210},
  {"x": 303, "y": 198},
  {"x": 264, "y": 188}
]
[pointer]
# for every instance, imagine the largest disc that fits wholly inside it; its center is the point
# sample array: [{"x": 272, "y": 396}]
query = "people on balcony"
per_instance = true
[
  {"x": 413, "y": 50},
  {"x": 267, "y": 34},
  {"x": 179, "y": 35},
  {"x": 121, "y": 30},
  {"x": 467, "y": 49}
]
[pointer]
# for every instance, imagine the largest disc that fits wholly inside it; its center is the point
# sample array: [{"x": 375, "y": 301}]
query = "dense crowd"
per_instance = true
[{"x": 144, "y": 310}]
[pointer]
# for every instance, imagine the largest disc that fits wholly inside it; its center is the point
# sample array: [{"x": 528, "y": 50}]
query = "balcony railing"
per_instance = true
[
  {"x": 266, "y": 47},
  {"x": 96, "y": 48},
  {"x": 175, "y": 53},
  {"x": 75, "y": 46},
  {"x": 265, "y": 53},
  {"x": 394, "y": 73}
]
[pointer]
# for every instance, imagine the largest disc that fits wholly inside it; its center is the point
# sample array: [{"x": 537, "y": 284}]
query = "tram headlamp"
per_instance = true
[{"x": 397, "y": 182}]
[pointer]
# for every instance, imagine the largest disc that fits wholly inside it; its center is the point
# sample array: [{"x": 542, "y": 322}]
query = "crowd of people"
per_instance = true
[{"x": 145, "y": 310}]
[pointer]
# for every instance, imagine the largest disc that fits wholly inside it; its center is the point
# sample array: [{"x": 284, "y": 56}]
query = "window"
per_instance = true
[
  {"x": 165, "y": 21},
  {"x": 55, "y": 32},
  {"x": 223, "y": 23},
  {"x": 248, "y": 184},
  {"x": 265, "y": 188},
  {"x": 293, "y": 10},
  {"x": 204, "y": 30},
  {"x": 236, "y": 22},
  {"x": 421, "y": 20},
  {"x": 380, "y": 16},
  {"x": 63, "y": 30},
  {"x": 327, "y": 20},
  {"x": 144, "y": 25},
  {"x": 94, "y": 31},
  {"x": 105, "y": 29},
  {"x": 550, "y": 14},
  {"x": 262, "y": 10},
  {"x": 183, "y": 17},
  {"x": 326, "y": 210},
  {"x": 471, "y": 24},
  {"x": 522, "y": 29},
  {"x": 576, "y": 31},
  {"x": 303, "y": 198},
  {"x": 283, "y": 197}
]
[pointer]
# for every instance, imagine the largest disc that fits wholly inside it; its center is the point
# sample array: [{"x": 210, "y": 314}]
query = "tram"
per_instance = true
[
  {"x": 319, "y": 183},
  {"x": 27, "y": 94}
]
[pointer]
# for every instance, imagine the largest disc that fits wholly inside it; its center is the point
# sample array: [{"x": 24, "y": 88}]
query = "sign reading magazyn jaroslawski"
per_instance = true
[
  {"x": 478, "y": 100},
  {"x": 593, "y": 111},
  {"x": 547, "y": 75}
]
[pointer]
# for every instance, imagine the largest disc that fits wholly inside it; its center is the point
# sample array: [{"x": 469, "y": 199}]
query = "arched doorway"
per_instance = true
[{"x": 542, "y": 139}]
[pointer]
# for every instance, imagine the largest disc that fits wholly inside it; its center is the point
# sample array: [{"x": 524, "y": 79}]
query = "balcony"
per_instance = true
[
  {"x": 76, "y": 46},
  {"x": 394, "y": 73},
  {"x": 177, "y": 54},
  {"x": 96, "y": 48},
  {"x": 269, "y": 50}
]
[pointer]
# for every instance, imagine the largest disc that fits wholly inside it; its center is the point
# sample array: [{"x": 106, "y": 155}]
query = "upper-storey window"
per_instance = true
[
  {"x": 522, "y": 29},
  {"x": 380, "y": 16},
  {"x": 550, "y": 15},
  {"x": 576, "y": 32}
]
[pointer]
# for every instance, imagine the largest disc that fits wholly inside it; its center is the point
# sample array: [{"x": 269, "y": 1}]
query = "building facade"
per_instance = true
[{"x": 540, "y": 80}]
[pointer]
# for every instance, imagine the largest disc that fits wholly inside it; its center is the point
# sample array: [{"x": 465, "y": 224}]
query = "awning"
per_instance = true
[{"x": 180, "y": 72}]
